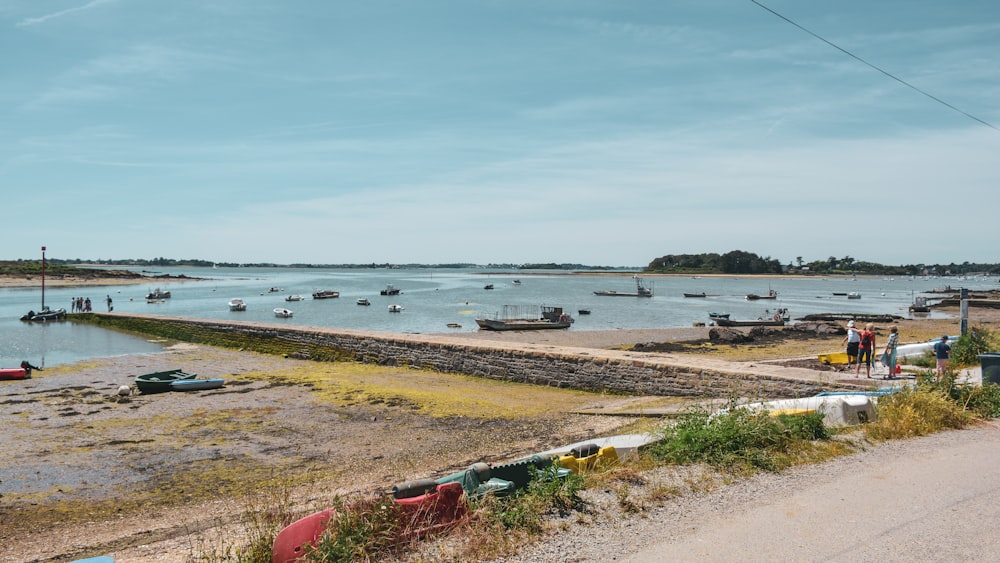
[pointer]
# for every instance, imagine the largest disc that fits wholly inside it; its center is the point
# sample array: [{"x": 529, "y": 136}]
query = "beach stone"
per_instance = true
[{"x": 726, "y": 335}]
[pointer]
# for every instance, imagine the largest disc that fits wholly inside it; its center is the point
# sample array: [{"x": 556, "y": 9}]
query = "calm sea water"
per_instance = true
[{"x": 431, "y": 300}]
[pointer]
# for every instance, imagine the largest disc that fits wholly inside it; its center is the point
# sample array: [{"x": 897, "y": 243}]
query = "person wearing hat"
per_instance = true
[
  {"x": 942, "y": 351},
  {"x": 853, "y": 340}
]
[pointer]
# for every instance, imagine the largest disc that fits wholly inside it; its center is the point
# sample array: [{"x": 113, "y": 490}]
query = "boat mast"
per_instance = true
[{"x": 43, "y": 278}]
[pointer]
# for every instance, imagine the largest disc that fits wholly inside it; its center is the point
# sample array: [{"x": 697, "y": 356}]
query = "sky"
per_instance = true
[{"x": 605, "y": 132}]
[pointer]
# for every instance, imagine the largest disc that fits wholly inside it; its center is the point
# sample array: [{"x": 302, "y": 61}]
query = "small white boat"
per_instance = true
[
  {"x": 294, "y": 298},
  {"x": 237, "y": 304},
  {"x": 282, "y": 313},
  {"x": 363, "y": 301},
  {"x": 395, "y": 308},
  {"x": 854, "y": 295}
]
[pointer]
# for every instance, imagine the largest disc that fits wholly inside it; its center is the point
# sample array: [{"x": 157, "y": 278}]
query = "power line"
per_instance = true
[{"x": 887, "y": 73}]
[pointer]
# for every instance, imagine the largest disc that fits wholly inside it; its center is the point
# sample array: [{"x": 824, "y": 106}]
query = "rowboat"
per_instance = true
[
  {"x": 14, "y": 373},
  {"x": 196, "y": 384},
  {"x": 159, "y": 381},
  {"x": 395, "y": 308},
  {"x": 282, "y": 313},
  {"x": 837, "y": 409}
]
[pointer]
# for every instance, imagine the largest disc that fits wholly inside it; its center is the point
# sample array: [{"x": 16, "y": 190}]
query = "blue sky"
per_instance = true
[{"x": 595, "y": 132}]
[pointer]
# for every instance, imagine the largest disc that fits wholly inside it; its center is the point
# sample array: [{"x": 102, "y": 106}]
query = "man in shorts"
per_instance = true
[
  {"x": 942, "y": 351},
  {"x": 853, "y": 339}
]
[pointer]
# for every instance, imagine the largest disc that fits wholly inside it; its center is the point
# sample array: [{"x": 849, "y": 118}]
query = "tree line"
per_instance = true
[{"x": 742, "y": 262}]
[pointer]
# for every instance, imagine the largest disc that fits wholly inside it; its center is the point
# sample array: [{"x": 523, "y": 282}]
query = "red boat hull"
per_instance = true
[{"x": 13, "y": 373}]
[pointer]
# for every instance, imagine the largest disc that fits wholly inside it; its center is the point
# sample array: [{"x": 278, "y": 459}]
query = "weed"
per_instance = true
[
  {"x": 918, "y": 411},
  {"x": 738, "y": 440}
]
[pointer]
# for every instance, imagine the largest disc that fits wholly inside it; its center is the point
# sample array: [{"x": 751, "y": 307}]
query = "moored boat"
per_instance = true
[
  {"x": 294, "y": 298},
  {"x": 702, "y": 294},
  {"x": 326, "y": 294},
  {"x": 514, "y": 319},
  {"x": 364, "y": 302},
  {"x": 45, "y": 315},
  {"x": 395, "y": 308},
  {"x": 158, "y": 294},
  {"x": 726, "y": 321},
  {"x": 641, "y": 290},
  {"x": 390, "y": 290},
  {"x": 197, "y": 384},
  {"x": 282, "y": 313},
  {"x": 159, "y": 381},
  {"x": 237, "y": 304},
  {"x": 771, "y": 294}
]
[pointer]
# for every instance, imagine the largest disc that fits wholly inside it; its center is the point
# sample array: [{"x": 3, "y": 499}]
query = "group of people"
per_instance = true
[
  {"x": 82, "y": 305},
  {"x": 861, "y": 347}
]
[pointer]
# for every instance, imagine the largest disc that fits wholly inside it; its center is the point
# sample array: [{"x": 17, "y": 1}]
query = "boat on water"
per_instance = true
[
  {"x": 159, "y": 381},
  {"x": 853, "y": 295},
  {"x": 282, "y": 313},
  {"x": 363, "y": 301},
  {"x": 920, "y": 305},
  {"x": 326, "y": 294},
  {"x": 702, "y": 294},
  {"x": 514, "y": 319},
  {"x": 488, "y": 286},
  {"x": 157, "y": 294},
  {"x": 294, "y": 297},
  {"x": 274, "y": 290},
  {"x": 237, "y": 304},
  {"x": 395, "y": 308},
  {"x": 771, "y": 294},
  {"x": 641, "y": 290},
  {"x": 583, "y": 311},
  {"x": 390, "y": 290},
  {"x": 715, "y": 316},
  {"x": 197, "y": 384},
  {"x": 45, "y": 315},
  {"x": 454, "y": 325},
  {"x": 516, "y": 282},
  {"x": 779, "y": 318}
]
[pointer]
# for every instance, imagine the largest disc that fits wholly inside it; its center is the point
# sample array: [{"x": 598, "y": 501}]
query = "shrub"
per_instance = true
[
  {"x": 917, "y": 411},
  {"x": 966, "y": 350},
  {"x": 737, "y": 440}
]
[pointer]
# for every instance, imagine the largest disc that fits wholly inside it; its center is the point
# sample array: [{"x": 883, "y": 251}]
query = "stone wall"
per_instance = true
[{"x": 590, "y": 369}]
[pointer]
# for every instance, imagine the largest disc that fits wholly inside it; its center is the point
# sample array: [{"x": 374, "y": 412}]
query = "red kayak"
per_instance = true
[
  {"x": 438, "y": 508},
  {"x": 14, "y": 373}
]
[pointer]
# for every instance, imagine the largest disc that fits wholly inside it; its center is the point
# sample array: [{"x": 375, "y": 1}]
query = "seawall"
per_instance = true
[{"x": 578, "y": 368}]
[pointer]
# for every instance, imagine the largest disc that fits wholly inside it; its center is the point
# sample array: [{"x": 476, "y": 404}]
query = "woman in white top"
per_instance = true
[{"x": 853, "y": 340}]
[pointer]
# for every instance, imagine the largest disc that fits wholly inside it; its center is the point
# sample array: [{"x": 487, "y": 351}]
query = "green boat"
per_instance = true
[{"x": 159, "y": 381}]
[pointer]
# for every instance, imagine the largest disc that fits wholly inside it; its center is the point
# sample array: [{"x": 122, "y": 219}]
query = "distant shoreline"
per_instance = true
[{"x": 7, "y": 281}]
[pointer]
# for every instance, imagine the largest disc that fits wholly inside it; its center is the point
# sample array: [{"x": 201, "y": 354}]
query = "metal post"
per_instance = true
[
  {"x": 964, "y": 309},
  {"x": 43, "y": 278}
]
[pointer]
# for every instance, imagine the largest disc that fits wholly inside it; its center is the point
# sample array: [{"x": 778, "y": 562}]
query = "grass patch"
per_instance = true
[
  {"x": 739, "y": 440},
  {"x": 426, "y": 392}
]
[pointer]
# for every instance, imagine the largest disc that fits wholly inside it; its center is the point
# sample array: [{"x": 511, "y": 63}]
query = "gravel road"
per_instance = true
[{"x": 928, "y": 499}]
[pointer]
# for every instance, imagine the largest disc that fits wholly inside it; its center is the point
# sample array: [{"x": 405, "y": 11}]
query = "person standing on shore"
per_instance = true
[
  {"x": 890, "y": 351},
  {"x": 865, "y": 348},
  {"x": 852, "y": 339},
  {"x": 110, "y": 306},
  {"x": 942, "y": 352}
]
